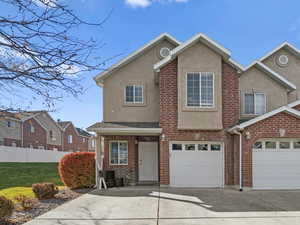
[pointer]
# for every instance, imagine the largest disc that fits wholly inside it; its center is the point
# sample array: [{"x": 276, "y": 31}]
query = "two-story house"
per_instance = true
[
  {"x": 10, "y": 129},
  {"x": 40, "y": 131},
  {"x": 188, "y": 115},
  {"x": 74, "y": 139},
  {"x": 37, "y": 129}
]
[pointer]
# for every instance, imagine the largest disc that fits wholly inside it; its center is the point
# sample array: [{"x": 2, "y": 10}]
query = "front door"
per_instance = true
[{"x": 148, "y": 161}]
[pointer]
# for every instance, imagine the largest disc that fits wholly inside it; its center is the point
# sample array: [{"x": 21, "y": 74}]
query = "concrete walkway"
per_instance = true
[{"x": 169, "y": 206}]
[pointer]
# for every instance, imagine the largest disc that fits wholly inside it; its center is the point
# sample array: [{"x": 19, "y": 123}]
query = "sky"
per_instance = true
[{"x": 248, "y": 28}]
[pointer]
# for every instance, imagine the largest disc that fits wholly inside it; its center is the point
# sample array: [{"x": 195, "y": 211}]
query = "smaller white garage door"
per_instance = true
[
  {"x": 276, "y": 164},
  {"x": 196, "y": 164}
]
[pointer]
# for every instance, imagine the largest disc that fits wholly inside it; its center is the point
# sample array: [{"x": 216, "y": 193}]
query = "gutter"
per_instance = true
[{"x": 241, "y": 159}]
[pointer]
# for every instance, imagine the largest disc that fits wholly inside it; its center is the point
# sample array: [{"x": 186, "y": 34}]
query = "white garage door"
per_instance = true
[
  {"x": 276, "y": 164},
  {"x": 196, "y": 164}
]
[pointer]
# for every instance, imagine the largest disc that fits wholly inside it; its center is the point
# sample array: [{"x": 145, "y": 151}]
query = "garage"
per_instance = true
[
  {"x": 196, "y": 164},
  {"x": 276, "y": 164}
]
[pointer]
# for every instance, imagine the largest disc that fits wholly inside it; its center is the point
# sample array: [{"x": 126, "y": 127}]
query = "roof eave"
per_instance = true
[
  {"x": 285, "y": 44},
  {"x": 133, "y": 55},
  {"x": 225, "y": 53},
  {"x": 290, "y": 86},
  {"x": 133, "y": 131}
]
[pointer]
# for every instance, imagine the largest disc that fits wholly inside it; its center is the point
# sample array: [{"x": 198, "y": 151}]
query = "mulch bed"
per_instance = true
[{"x": 43, "y": 206}]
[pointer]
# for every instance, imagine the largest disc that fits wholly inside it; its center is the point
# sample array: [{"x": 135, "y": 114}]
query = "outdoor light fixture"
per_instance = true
[{"x": 248, "y": 135}]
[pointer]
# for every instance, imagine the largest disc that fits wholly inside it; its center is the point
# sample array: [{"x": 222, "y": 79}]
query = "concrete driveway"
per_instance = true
[{"x": 170, "y": 206}]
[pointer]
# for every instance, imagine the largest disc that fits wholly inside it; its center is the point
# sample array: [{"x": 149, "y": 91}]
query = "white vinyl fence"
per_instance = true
[{"x": 16, "y": 154}]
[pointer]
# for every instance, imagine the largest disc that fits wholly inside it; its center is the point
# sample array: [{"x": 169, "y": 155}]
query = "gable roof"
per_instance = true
[
  {"x": 64, "y": 124},
  {"x": 275, "y": 76},
  {"x": 225, "y": 53},
  {"x": 286, "y": 109},
  {"x": 83, "y": 132},
  {"x": 100, "y": 77},
  {"x": 292, "y": 49}
]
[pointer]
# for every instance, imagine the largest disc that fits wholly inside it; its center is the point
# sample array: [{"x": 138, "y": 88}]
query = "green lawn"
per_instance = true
[{"x": 17, "y": 178}]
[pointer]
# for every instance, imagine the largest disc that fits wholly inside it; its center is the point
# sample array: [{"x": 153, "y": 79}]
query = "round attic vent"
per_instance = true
[
  {"x": 283, "y": 60},
  {"x": 164, "y": 52}
]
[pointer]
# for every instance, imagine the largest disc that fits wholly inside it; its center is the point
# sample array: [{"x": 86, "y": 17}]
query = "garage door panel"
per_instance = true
[
  {"x": 196, "y": 168},
  {"x": 276, "y": 169}
]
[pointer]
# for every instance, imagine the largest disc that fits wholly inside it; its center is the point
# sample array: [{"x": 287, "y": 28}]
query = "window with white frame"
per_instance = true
[
  {"x": 70, "y": 139},
  {"x": 273, "y": 144},
  {"x": 32, "y": 129},
  {"x": 134, "y": 94},
  {"x": 200, "y": 89},
  {"x": 118, "y": 153},
  {"x": 254, "y": 103},
  {"x": 10, "y": 123}
]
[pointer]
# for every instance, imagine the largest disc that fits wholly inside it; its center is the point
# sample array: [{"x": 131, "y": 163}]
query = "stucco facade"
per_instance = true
[
  {"x": 165, "y": 94},
  {"x": 138, "y": 72}
]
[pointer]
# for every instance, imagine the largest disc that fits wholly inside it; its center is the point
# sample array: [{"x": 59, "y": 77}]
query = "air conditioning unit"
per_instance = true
[{"x": 53, "y": 139}]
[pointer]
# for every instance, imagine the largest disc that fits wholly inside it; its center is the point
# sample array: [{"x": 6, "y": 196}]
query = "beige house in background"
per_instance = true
[{"x": 185, "y": 114}]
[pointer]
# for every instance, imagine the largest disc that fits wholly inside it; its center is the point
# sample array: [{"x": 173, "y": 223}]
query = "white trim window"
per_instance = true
[
  {"x": 200, "y": 89},
  {"x": 118, "y": 153},
  {"x": 70, "y": 139},
  {"x": 254, "y": 103},
  {"x": 134, "y": 94},
  {"x": 10, "y": 123},
  {"x": 32, "y": 129}
]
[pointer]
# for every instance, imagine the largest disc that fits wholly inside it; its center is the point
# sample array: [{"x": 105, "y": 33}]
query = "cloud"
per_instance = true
[{"x": 146, "y": 3}]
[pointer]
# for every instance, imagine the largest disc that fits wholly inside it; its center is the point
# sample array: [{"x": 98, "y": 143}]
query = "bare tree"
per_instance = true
[{"x": 40, "y": 53}]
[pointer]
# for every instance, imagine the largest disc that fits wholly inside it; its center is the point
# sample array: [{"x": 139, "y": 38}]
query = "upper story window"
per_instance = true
[
  {"x": 51, "y": 134},
  {"x": 32, "y": 129},
  {"x": 255, "y": 103},
  {"x": 10, "y": 123},
  {"x": 200, "y": 89},
  {"x": 134, "y": 94},
  {"x": 83, "y": 140},
  {"x": 70, "y": 139}
]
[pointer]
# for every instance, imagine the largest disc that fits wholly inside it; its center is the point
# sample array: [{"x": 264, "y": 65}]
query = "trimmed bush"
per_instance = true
[
  {"x": 44, "y": 190},
  {"x": 6, "y": 208},
  {"x": 77, "y": 170}
]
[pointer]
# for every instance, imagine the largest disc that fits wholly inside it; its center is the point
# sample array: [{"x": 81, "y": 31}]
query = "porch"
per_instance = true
[{"x": 128, "y": 151}]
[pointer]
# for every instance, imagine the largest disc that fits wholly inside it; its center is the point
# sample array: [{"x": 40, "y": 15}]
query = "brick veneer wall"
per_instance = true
[
  {"x": 38, "y": 138},
  {"x": 77, "y": 143},
  {"x": 268, "y": 128},
  {"x": 168, "y": 117},
  {"x": 10, "y": 141},
  {"x": 129, "y": 170}
]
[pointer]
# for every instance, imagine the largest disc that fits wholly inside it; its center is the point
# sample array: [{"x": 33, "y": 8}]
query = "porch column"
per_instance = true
[{"x": 98, "y": 157}]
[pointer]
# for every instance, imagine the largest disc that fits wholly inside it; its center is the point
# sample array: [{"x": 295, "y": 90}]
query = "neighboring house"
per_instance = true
[
  {"x": 74, "y": 139},
  {"x": 37, "y": 129},
  {"x": 187, "y": 115},
  {"x": 40, "y": 131},
  {"x": 10, "y": 129}
]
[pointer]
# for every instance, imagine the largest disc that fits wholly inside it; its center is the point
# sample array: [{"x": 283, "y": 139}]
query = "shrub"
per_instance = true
[
  {"x": 26, "y": 203},
  {"x": 44, "y": 190},
  {"x": 77, "y": 170},
  {"x": 6, "y": 208}
]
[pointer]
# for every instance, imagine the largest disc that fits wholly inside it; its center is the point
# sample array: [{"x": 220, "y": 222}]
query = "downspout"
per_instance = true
[{"x": 241, "y": 160}]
